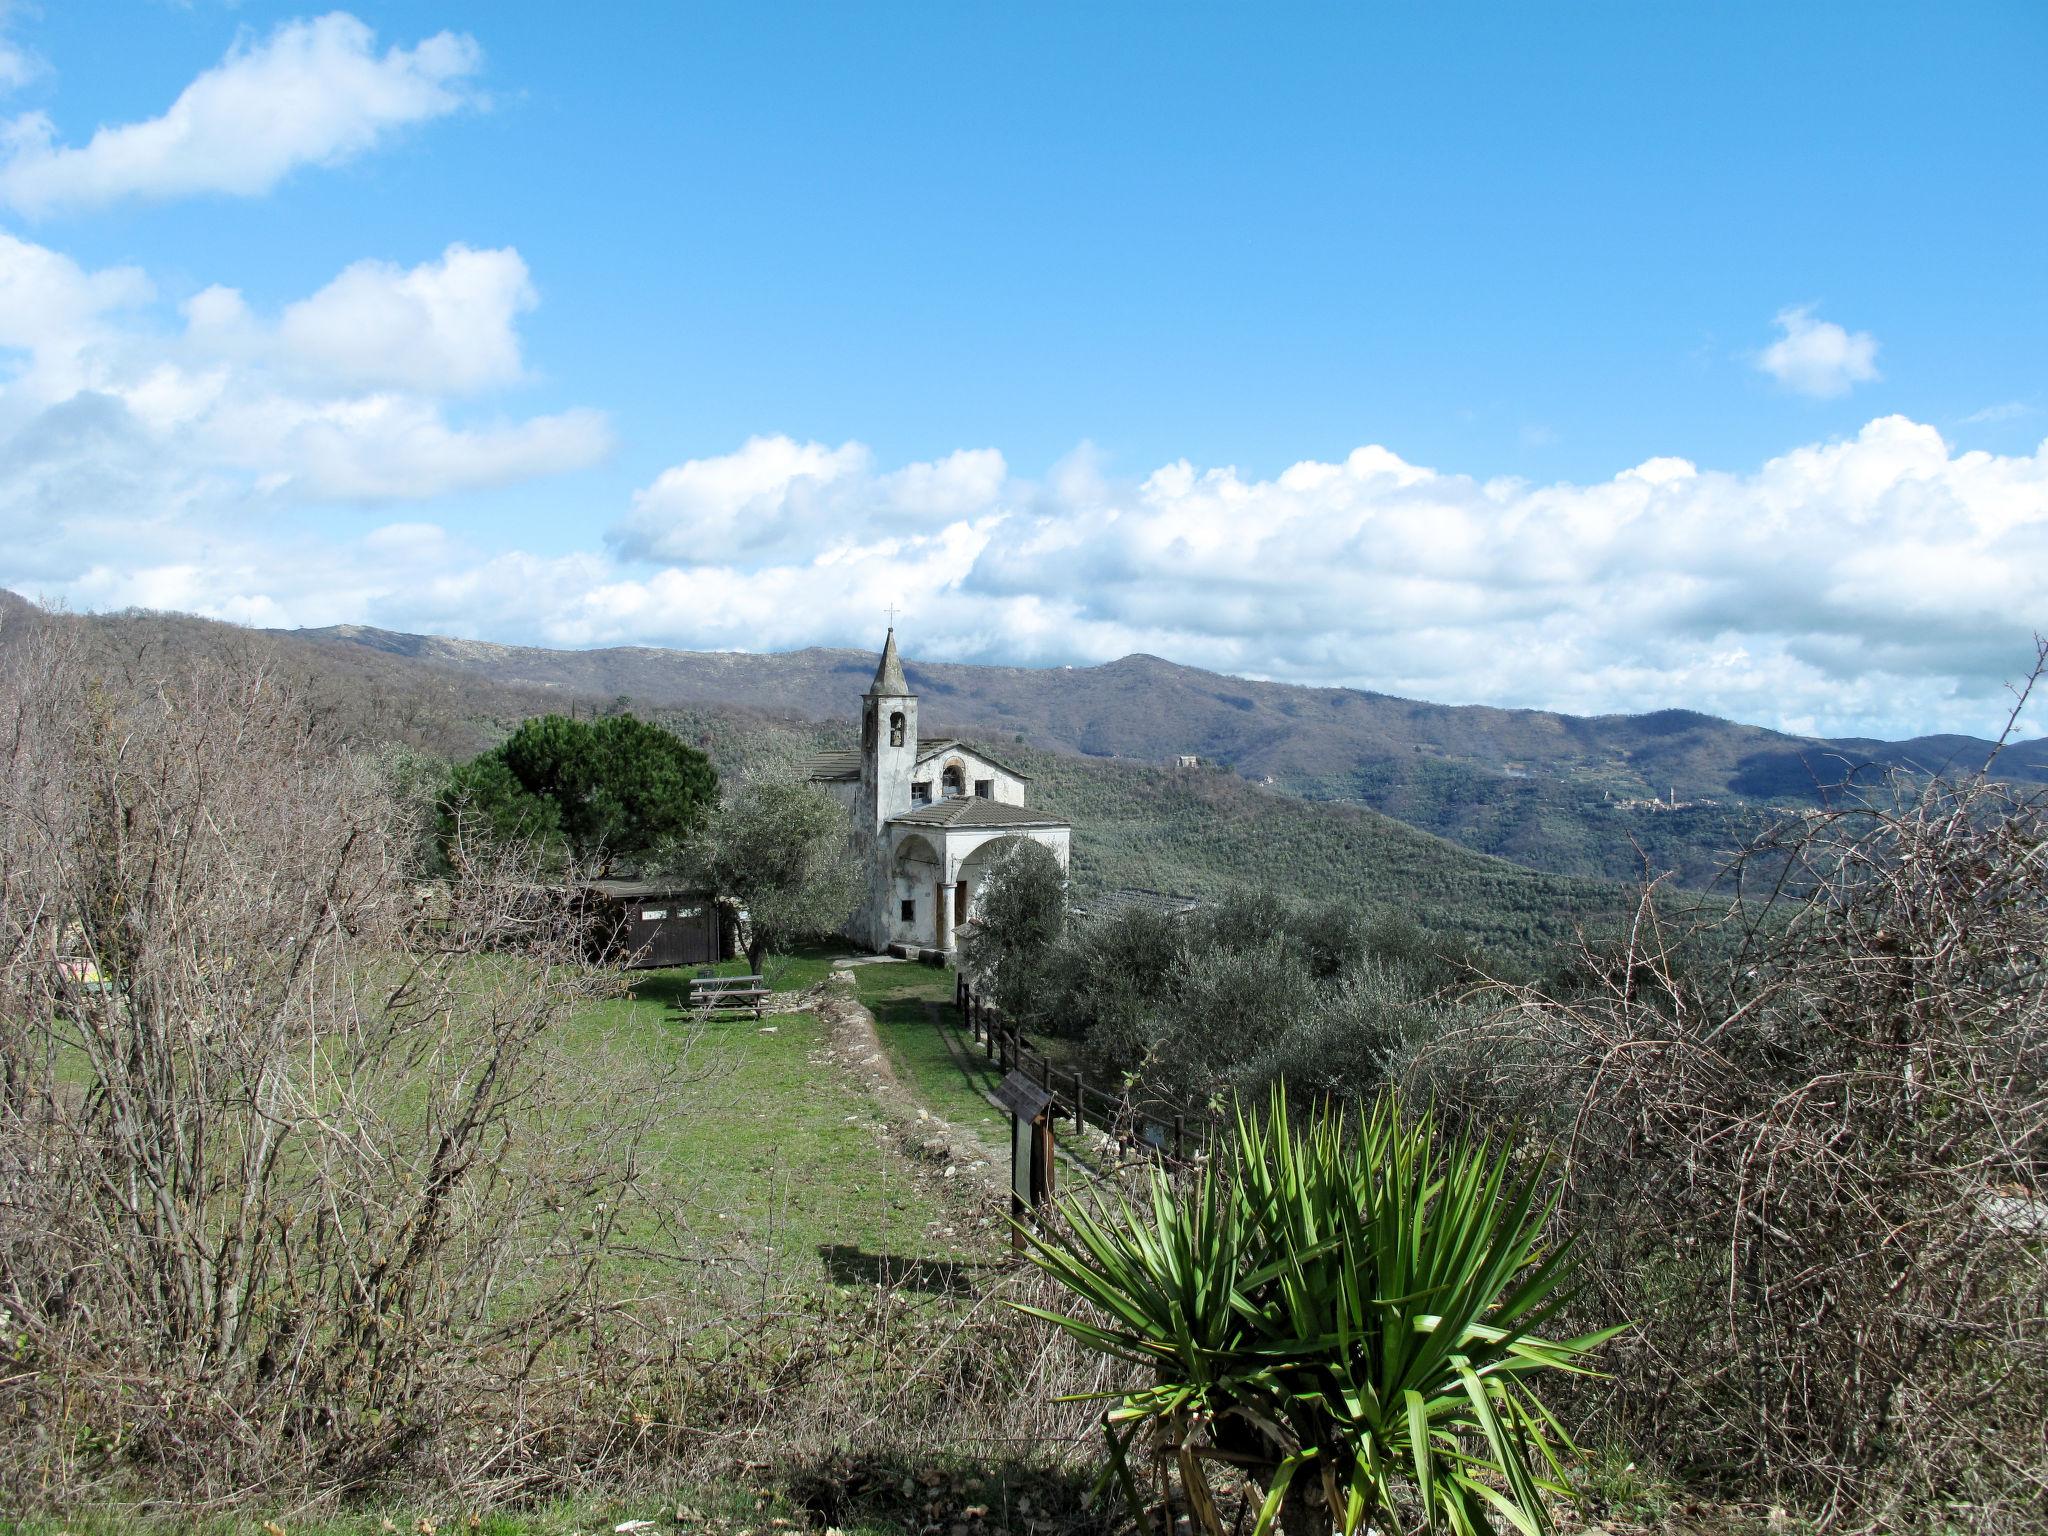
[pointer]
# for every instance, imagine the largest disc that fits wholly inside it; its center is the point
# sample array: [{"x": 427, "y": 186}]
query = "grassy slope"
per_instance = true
[
  {"x": 780, "y": 1161},
  {"x": 901, "y": 997}
]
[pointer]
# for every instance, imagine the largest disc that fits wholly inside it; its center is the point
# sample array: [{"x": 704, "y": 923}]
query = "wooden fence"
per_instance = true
[{"x": 1154, "y": 1130}]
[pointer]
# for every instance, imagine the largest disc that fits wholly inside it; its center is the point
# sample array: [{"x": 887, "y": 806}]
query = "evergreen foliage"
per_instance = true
[
  {"x": 1246, "y": 992},
  {"x": 1023, "y": 913},
  {"x": 597, "y": 792},
  {"x": 783, "y": 853}
]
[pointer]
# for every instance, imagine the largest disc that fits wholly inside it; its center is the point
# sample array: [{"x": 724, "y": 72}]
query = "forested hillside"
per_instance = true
[
  {"x": 1596, "y": 796},
  {"x": 1196, "y": 832},
  {"x": 1202, "y": 831}
]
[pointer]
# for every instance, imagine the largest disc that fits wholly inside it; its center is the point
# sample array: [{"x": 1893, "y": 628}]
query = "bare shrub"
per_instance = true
[
  {"x": 288, "y": 1182},
  {"x": 1814, "y": 1173}
]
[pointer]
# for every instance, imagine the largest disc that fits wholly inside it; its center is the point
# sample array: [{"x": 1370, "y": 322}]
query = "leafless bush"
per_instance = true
[
  {"x": 1814, "y": 1173},
  {"x": 286, "y": 1180}
]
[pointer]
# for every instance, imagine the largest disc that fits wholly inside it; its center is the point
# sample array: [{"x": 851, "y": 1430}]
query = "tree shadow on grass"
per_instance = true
[
  {"x": 669, "y": 988},
  {"x": 931, "y": 1490},
  {"x": 848, "y": 1264}
]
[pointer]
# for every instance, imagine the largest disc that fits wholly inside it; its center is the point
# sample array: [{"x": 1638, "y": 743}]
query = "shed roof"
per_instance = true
[
  {"x": 640, "y": 890},
  {"x": 966, "y": 811},
  {"x": 841, "y": 763}
]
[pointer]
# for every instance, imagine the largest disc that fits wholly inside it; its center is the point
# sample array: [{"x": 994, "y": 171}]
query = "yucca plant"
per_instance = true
[{"x": 1347, "y": 1311}]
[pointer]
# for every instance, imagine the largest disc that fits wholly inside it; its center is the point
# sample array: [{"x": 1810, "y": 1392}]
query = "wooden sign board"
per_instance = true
[
  {"x": 1022, "y": 1097},
  {"x": 1030, "y": 1146}
]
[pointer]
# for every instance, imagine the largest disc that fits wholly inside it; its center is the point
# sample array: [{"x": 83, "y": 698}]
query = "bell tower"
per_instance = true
[{"x": 888, "y": 741}]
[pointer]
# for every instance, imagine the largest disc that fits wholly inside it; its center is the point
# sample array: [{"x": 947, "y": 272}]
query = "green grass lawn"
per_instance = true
[
  {"x": 900, "y": 996},
  {"x": 779, "y": 1162}
]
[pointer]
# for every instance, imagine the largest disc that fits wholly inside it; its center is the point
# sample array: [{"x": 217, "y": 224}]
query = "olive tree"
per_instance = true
[
  {"x": 783, "y": 853},
  {"x": 1022, "y": 914}
]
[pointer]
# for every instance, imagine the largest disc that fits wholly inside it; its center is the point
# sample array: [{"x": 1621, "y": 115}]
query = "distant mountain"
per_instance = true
[
  {"x": 1570, "y": 794},
  {"x": 1198, "y": 832}
]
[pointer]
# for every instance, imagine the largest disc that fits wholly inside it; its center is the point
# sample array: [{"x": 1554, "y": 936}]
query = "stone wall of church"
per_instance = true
[{"x": 1007, "y": 788}]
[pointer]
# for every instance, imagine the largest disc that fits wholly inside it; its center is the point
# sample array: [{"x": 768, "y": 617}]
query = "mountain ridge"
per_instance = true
[
  {"x": 769, "y": 671},
  {"x": 1595, "y": 795}
]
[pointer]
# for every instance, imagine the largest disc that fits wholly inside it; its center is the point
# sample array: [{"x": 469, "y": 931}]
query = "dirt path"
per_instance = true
[{"x": 852, "y": 1046}]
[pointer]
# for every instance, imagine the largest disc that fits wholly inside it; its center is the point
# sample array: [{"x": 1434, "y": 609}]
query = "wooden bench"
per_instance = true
[{"x": 727, "y": 994}]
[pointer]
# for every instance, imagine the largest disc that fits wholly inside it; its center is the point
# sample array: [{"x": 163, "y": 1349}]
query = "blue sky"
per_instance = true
[{"x": 843, "y": 305}]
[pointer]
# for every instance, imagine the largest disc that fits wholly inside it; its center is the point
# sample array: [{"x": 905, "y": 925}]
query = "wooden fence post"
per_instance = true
[
  {"x": 1180, "y": 1132},
  {"x": 1080, "y": 1102}
]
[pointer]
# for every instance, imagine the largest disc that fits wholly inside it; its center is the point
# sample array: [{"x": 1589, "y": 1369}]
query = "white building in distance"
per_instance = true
[{"x": 930, "y": 818}]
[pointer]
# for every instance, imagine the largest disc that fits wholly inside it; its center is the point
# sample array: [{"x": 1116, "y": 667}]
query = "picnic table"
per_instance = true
[{"x": 727, "y": 994}]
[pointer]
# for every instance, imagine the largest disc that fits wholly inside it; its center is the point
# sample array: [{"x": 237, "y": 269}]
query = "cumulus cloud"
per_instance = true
[
  {"x": 445, "y": 327},
  {"x": 1884, "y": 583},
  {"x": 312, "y": 93},
  {"x": 776, "y": 497},
  {"x": 1817, "y": 357},
  {"x": 104, "y": 408}
]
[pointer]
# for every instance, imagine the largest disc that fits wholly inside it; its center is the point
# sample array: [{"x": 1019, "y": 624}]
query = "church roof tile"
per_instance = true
[
  {"x": 972, "y": 811},
  {"x": 927, "y": 750}
]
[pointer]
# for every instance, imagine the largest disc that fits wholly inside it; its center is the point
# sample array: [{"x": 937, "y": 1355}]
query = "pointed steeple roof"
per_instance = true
[{"x": 889, "y": 680}]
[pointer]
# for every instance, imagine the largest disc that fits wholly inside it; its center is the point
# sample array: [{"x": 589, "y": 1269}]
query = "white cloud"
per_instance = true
[
  {"x": 2005, "y": 410},
  {"x": 1884, "y": 583},
  {"x": 107, "y": 409},
  {"x": 50, "y": 303},
  {"x": 397, "y": 448},
  {"x": 445, "y": 327},
  {"x": 312, "y": 93},
  {"x": 18, "y": 65},
  {"x": 778, "y": 498},
  {"x": 1817, "y": 357}
]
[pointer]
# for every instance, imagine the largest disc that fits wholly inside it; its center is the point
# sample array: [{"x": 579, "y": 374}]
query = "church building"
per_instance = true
[{"x": 930, "y": 818}]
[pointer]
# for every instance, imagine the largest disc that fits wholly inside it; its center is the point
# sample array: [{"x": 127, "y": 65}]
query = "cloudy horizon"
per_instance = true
[{"x": 393, "y": 431}]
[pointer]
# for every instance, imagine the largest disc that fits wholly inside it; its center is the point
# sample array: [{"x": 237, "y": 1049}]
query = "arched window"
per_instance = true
[
  {"x": 896, "y": 729},
  {"x": 955, "y": 781}
]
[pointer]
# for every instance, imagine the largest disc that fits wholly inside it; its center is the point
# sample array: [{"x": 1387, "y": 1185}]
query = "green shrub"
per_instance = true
[{"x": 1347, "y": 1311}]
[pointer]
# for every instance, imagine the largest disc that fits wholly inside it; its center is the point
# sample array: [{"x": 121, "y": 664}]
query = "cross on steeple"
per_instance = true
[{"x": 892, "y": 615}]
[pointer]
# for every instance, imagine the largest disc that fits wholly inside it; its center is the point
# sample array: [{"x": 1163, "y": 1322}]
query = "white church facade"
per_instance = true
[{"x": 930, "y": 818}]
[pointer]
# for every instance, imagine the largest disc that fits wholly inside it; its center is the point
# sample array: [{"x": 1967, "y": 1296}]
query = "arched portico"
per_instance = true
[
  {"x": 972, "y": 855},
  {"x": 918, "y": 872}
]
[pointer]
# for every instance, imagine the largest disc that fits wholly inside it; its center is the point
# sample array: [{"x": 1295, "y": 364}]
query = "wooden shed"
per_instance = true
[{"x": 647, "y": 923}]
